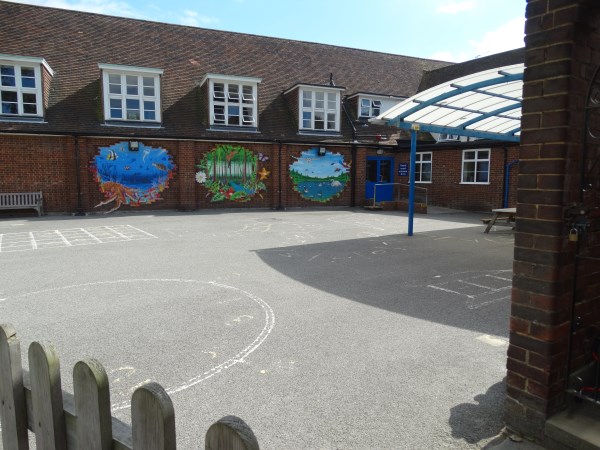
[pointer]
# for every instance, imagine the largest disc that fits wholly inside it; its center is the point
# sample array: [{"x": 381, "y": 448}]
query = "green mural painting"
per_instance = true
[
  {"x": 319, "y": 175},
  {"x": 231, "y": 172}
]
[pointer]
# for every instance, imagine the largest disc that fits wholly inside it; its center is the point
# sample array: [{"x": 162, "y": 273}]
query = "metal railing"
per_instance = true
[{"x": 401, "y": 192}]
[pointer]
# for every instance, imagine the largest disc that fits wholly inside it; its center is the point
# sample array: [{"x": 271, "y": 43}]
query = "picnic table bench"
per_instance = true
[
  {"x": 22, "y": 200},
  {"x": 503, "y": 214}
]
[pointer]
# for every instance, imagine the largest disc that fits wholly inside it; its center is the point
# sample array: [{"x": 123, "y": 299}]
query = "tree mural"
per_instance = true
[
  {"x": 132, "y": 177},
  {"x": 231, "y": 172},
  {"x": 319, "y": 177}
]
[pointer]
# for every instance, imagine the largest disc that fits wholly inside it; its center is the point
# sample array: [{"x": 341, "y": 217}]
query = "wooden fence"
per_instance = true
[{"x": 35, "y": 401}]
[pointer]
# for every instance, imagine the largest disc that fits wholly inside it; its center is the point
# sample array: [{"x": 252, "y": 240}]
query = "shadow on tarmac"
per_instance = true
[{"x": 459, "y": 277}]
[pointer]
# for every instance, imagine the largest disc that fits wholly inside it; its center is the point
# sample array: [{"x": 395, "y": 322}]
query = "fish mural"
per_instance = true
[
  {"x": 319, "y": 178},
  {"x": 231, "y": 172},
  {"x": 132, "y": 178}
]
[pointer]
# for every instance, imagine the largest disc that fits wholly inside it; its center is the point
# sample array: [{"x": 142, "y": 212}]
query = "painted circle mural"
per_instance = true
[
  {"x": 319, "y": 175},
  {"x": 231, "y": 172},
  {"x": 132, "y": 177}
]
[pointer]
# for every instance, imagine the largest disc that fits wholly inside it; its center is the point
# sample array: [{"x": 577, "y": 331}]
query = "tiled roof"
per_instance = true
[{"x": 74, "y": 43}]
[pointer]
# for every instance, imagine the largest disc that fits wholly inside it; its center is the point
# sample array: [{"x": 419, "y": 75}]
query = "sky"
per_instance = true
[{"x": 448, "y": 30}]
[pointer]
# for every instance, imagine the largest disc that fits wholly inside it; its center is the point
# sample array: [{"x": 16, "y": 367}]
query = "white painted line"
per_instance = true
[
  {"x": 33, "y": 243},
  {"x": 448, "y": 290},
  {"x": 117, "y": 233},
  {"x": 142, "y": 231},
  {"x": 91, "y": 235},
  {"x": 1, "y": 242},
  {"x": 64, "y": 239},
  {"x": 493, "y": 341}
]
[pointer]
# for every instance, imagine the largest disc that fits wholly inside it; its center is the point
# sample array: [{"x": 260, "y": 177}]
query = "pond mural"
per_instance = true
[
  {"x": 132, "y": 177},
  {"x": 231, "y": 172},
  {"x": 319, "y": 178}
]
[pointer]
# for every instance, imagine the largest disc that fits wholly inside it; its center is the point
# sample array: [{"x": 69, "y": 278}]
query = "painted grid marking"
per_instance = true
[
  {"x": 37, "y": 240},
  {"x": 479, "y": 290}
]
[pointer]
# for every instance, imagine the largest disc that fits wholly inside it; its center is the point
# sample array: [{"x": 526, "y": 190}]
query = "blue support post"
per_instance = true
[{"x": 411, "y": 186}]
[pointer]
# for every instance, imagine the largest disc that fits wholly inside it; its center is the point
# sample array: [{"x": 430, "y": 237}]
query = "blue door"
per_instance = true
[{"x": 379, "y": 170}]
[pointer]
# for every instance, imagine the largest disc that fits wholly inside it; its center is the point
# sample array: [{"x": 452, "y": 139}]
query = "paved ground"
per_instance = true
[{"x": 322, "y": 329}]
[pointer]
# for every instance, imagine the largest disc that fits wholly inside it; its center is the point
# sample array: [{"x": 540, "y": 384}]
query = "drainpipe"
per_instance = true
[
  {"x": 353, "y": 157},
  {"x": 279, "y": 200},
  {"x": 507, "y": 181},
  {"x": 79, "y": 209}
]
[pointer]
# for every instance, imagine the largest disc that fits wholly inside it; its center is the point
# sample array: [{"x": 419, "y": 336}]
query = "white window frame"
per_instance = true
[
  {"x": 419, "y": 163},
  {"x": 229, "y": 100},
  {"x": 373, "y": 105},
  {"x": 123, "y": 72},
  {"x": 312, "y": 108},
  {"x": 477, "y": 160},
  {"x": 18, "y": 63}
]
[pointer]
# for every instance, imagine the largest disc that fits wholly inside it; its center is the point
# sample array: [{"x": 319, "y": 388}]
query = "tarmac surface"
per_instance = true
[{"x": 322, "y": 329}]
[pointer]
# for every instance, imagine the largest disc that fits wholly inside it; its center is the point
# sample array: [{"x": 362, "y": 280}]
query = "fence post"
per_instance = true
[
  {"x": 92, "y": 404},
  {"x": 46, "y": 397},
  {"x": 230, "y": 433},
  {"x": 152, "y": 418},
  {"x": 13, "y": 412}
]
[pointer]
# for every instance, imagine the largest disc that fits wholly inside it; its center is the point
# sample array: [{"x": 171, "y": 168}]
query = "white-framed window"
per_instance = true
[
  {"x": 131, "y": 94},
  {"x": 21, "y": 91},
  {"x": 319, "y": 109},
  {"x": 476, "y": 166},
  {"x": 423, "y": 166},
  {"x": 233, "y": 101},
  {"x": 369, "y": 107}
]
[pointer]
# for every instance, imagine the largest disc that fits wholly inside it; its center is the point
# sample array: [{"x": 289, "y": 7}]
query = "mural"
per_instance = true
[
  {"x": 319, "y": 178},
  {"x": 231, "y": 172},
  {"x": 132, "y": 177}
]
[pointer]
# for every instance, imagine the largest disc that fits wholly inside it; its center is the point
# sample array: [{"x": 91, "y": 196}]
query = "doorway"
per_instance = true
[{"x": 379, "y": 170}]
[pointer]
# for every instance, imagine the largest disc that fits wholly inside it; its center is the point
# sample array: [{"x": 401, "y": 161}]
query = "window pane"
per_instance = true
[
  {"x": 330, "y": 121},
  {"x": 233, "y": 92},
  {"x": 219, "y": 91},
  {"x": 133, "y": 109},
  {"x": 132, "y": 103},
  {"x": 7, "y": 76},
  {"x": 306, "y": 119},
  {"x": 248, "y": 94},
  {"x": 365, "y": 102},
  {"x": 27, "y": 77},
  {"x": 469, "y": 172},
  {"x": 469, "y": 155},
  {"x": 483, "y": 154},
  {"x": 365, "y": 111},
  {"x": 331, "y": 101},
  {"x": 426, "y": 172},
  {"x": 116, "y": 113},
  {"x": 376, "y": 112},
  {"x": 233, "y": 113},
  {"x": 425, "y": 156},
  {"x": 132, "y": 84},
  {"x": 148, "y": 83},
  {"x": 28, "y": 108},
  {"x": 376, "y": 104},
  {"x": 372, "y": 171},
  {"x": 384, "y": 170},
  {"x": 319, "y": 120},
  {"x": 149, "y": 106},
  {"x": 307, "y": 99},
  {"x": 9, "y": 96},
  {"x": 149, "y": 115},
  {"x": 114, "y": 84},
  {"x": 219, "y": 114},
  {"x": 9, "y": 108},
  {"x": 29, "y": 98}
]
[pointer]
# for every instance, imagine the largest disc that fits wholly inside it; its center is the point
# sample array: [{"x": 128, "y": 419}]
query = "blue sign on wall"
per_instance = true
[{"x": 403, "y": 169}]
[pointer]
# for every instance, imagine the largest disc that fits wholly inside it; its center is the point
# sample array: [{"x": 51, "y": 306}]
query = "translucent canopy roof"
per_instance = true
[{"x": 482, "y": 105}]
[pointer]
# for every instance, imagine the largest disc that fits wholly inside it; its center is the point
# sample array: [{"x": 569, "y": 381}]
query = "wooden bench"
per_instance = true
[
  {"x": 22, "y": 200},
  {"x": 504, "y": 214}
]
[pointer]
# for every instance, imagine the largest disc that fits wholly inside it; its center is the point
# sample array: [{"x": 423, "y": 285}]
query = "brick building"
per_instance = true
[{"x": 104, "y": 112}]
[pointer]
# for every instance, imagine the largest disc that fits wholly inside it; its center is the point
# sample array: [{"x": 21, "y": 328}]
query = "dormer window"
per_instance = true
[
  {"x": 369, "y": 107},
  {"x": 232, "y": 101},
  {"x": 131, "y": 94},
  {"x": 21, "y": 93}
]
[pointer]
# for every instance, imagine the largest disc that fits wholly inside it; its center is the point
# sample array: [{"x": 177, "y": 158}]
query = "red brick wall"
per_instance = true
[
  {"x": 562, "y": 52},
  {"x": 447, "y": 190}
]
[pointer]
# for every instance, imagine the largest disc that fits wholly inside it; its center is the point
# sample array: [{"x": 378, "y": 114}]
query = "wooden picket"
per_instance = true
[{"x": 62, "y": 421}]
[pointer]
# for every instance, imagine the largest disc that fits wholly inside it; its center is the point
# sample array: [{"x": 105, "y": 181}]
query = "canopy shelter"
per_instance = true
[{"x": 483, "y": 105}]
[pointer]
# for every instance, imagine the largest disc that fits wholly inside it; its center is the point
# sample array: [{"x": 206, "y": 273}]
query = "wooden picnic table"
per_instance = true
[{"x": 507, "y": 214}]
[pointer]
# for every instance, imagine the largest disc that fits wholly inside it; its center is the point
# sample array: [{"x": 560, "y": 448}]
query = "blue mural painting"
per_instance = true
[
  {"x": 132, "y": 177},
  {"x": 319, "y": 177}
]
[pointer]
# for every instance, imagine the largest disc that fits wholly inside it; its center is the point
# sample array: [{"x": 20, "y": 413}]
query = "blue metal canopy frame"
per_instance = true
[{"x": 484, "y": 105}]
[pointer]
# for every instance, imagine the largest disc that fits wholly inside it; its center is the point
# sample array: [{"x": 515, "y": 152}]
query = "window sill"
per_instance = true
[
  {"x": 319, "y": 133},
  {"x": 234, "y": 129},
  {"x": 152, "y": 125},
  {"x": 21, "y": 119},
  {"x": 475, "y": 183}
]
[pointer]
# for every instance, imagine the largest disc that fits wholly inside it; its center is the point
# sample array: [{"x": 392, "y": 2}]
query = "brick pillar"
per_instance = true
[
  {"x": 186, "y": 175},
  {"x": 558, "y": 69}
]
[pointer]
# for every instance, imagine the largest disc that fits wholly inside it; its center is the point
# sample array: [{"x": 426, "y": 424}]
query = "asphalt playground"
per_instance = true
[{"x": 321, "y": 328}]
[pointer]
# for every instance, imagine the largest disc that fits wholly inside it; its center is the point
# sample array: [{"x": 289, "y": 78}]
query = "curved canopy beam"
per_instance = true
[{"x": 483, "y": 105}]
